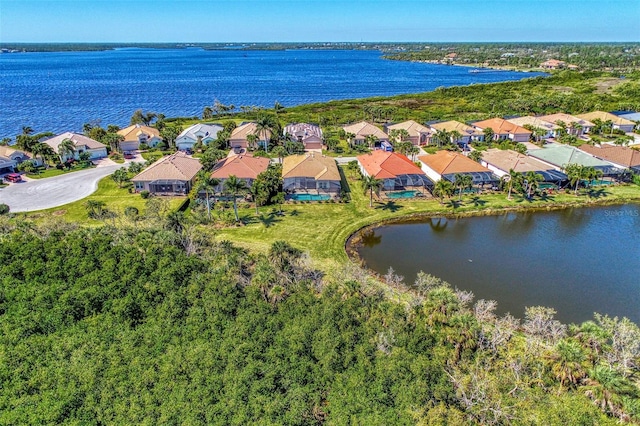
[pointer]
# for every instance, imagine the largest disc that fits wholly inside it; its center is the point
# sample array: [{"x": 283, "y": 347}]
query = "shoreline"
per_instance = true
[{"x": 353, "y": 241}]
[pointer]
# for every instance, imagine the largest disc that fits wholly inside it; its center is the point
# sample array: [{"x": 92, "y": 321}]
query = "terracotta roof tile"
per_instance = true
[
  {"x": 621, "y": 155},
  {"x": 501, "y": 126},
  {"x": 448, "y": 162},
  {"x": 176, "y": 166},
  {"x": 383, "y": 164},
  {"x": 318, "y": 167},
  {"x": 241, "y": 166}
]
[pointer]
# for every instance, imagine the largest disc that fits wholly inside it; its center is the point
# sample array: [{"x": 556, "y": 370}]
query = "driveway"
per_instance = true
[{"x": 39, "y": 194}]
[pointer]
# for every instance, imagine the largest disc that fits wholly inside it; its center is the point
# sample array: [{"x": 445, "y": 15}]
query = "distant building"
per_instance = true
[
  {"x": 206, "y": 133},
  {"x": 239, "y": 136},
  {"x": 503, "y": 129},
  {"x": 309, "y": 135},
  {"x": 310, "y": 173},
  {"x": 363, "y": 129},
  {"x": 244, "y": 167},
  {"x": 467, "y": 133},
  {"x": 550, "y": 128},
  {"x": 82, "y": 144},
  {"x": 137, "y": 134},
  {"x": 10, "y": 158},
  {"x": 395, "y": 170},
  {"x": 418, "y": 134},
  {"x": 171, "y": 175},
  {"x": 618, "y": 122},
  {"x": 575, "y": 126},
  {"x": 446, "y": 164},
  {"x": 552, "y": 64}
]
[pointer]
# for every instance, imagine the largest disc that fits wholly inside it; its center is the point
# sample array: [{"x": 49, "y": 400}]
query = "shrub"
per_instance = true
[
  {"x": 4, "y": 209},
  {"x": 145, "y": 194}
]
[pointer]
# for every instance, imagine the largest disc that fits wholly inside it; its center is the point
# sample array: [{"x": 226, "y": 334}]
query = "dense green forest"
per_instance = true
[{"x": 162, "y": 325}]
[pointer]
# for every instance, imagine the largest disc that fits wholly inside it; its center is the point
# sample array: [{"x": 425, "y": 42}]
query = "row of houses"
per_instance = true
[{"x": 313, "y": 173}]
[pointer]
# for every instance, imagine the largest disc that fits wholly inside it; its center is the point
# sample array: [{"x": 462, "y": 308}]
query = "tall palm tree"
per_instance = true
[
  {"x": 462, "y": 182},
  {"x": 441, "y": 137},
  {"x": 513, "y": 178},
  {"x": 266, "y": 127},
  {"x": 575, "y": 173},
  {"x": 371, "y": 140},
  {"x": 371, "y": 184},
  {"x": 41, "y": 150},
  {"x": 443, "y": 188},
  {"x": 206, "y": 184},
  {"x": 532, "y": 179},
  {"x": 568, "y": 363},
  {"x": 235, "y": 186},
  {"x": 66, "y": 149}
]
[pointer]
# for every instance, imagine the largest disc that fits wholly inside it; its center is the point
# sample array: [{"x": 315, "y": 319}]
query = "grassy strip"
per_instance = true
[
  {"x": 323, "y": 229},
  {"x": 116, "y": 200}
]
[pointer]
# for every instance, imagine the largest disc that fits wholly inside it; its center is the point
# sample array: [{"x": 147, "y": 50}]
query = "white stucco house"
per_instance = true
[
  {"x": 203, "y": 132},
  {"x": 82, "y": 144}
]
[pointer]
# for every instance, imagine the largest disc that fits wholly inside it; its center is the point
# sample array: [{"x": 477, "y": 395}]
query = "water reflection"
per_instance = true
[
  {"x": 577, "y": 261},
  {"x": 370, "y": 239}
]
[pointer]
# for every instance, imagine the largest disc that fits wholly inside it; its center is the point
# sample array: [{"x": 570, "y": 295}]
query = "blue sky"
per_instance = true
[{"x": 312, "y": 20}]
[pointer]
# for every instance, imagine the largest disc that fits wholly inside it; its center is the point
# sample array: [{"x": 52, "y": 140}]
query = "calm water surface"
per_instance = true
[
  {"x": 61, "y": 91},
  {"x": 578, "y": 261}
]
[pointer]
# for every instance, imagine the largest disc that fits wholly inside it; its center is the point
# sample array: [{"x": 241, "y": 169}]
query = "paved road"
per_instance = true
[{"x": 39, "y": 194}]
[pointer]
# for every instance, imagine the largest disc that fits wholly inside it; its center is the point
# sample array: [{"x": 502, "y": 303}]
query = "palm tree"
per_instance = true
[
  {"x": 513, "y": 178},
  {"x": 42, "y": 150},
  {"x": 235, "y": 186},
  {"x": 66, "y": 149},
  {"x": 475, "y": 155},
  {"x": 441, "y": 137},
  {"x": 462, "y": 182},
  {"x": 575, "y": 173},
  {"x": 371, "y": 140},
  {"x": 266, "y": 127},
  {"x": 207, "y": 184},
  {"x": 280, "y": 152},
  {"x": 604, "y": 386},
  {"x": 443, "y": 188},
  {"x": 532, "y": 179},
  {"x": 568, "y": 363},
  {"x": 371, "y": 184}
]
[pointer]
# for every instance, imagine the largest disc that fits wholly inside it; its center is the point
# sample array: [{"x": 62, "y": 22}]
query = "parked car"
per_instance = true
[
  {"x": 128, "y": 155},
  {"x": 13, "y": 177}
]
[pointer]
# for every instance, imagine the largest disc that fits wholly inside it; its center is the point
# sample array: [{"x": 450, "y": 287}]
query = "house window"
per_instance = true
[{"x": 140, "y": 185}]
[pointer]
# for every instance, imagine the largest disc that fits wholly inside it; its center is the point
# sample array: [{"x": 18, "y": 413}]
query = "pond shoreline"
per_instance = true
[{"x": 354, "y": 241}]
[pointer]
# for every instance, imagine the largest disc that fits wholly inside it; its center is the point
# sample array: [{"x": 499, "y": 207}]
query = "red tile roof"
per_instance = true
[
  {"x": 240, "y": 166},
  {"x": 388, "y": 165},
  {"x": 447, "y": 162},
  {"x": 501, "y": 126}
]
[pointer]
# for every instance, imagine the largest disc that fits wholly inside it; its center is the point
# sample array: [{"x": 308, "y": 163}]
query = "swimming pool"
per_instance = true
[
  {"x": 309, "y": 197},
  {"x": 402, "y": 194}
]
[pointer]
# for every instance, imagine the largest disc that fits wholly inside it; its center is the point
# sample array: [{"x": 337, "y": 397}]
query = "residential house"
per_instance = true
[
  {"x": 503, "y": 129},
  {"x": 244, "y": 167},
  {"x": 10, "y": 158},
  {"x": 137, "y": 134},
  {"x": 82, "y": 144},
  {"x": 632, "y": 116},
  {"x": 446, "y": 164},
  {"x": 501, "y": 162},
  {"x": 552, "y": 64},
  {"x": 309, "y": 135},
  {"x": 395, "y": 170},
  {"x": 310, "y": 172},
  {"x": 549, "y": 127},
  {"x": 575, "y": 126},
  {"x": 620, "y": 156},
  {"x": 363, "y": 129},
  {"x": 467, "y": 133},
  {"x": 559, "y": 156},
  {"x": 418, "y": 134},
  {"x": 619, "y": 123},
  {"x": 240, "y": 136},
  {"x": 205, "y": 133},
  {"x": 170, "y": 175}
]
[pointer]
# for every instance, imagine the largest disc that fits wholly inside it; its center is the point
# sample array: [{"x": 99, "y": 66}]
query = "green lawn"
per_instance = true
[
  {"x": 52, "y": 171},
  {"x": 116, "y": 200},
  {"x": 322, "y": 229}
]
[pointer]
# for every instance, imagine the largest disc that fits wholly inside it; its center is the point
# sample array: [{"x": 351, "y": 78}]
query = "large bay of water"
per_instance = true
[
  {"x": 61, "y": 91},
  {"x": 578, "y": 261}
]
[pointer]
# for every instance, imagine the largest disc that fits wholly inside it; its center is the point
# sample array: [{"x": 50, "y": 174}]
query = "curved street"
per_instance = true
[{"x": 39, "y": 194}]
